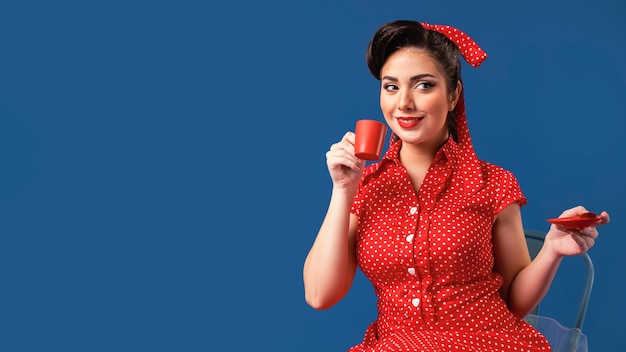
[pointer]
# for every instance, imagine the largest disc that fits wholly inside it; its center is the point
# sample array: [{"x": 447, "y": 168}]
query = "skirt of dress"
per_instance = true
[{"x": 523, "y": 339}]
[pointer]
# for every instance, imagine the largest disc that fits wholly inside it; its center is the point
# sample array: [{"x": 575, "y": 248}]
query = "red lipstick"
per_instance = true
[{"x": 409, "y": 122}]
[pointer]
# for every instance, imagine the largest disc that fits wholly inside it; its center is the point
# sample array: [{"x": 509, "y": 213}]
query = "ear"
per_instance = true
[{"x": 454, "y": 97}]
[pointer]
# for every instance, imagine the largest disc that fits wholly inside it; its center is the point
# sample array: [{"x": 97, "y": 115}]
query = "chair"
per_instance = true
[{"x": 576, "y": 340}]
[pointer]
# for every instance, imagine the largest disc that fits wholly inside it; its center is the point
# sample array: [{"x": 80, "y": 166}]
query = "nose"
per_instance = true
[{"x": 405, "y": 101}]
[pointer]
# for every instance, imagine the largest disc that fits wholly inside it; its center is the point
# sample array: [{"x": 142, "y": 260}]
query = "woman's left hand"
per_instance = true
[{"x": 566, "y": 242}]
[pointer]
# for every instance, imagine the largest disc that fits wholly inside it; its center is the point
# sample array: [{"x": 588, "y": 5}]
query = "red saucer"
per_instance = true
[{"x": 576, "y": 222}]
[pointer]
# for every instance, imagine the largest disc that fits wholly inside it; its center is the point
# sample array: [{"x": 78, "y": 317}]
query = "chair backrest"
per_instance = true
[{"x": 534, "y": 240}]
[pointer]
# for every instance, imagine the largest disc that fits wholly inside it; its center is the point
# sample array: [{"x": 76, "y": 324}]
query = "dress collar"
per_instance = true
[
  {"x": 448, "y": 152},
  {"x": 462, "y": 161}
]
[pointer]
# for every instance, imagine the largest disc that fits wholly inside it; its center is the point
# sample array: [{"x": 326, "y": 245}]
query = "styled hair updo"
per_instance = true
[{"x": 396, "y": 35}]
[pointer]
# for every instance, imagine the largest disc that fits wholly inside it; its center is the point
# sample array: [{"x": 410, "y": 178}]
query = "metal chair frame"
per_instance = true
[{"x": 535, "y": 239}]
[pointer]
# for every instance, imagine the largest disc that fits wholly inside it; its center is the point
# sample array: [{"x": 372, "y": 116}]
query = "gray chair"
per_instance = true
[{"x": 534, "y": 240}]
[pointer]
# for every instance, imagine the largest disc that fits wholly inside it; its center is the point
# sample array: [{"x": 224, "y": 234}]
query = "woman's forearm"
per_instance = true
[
  {"x": 533, "y": 282},
  {"x": 330, "y": 265}
]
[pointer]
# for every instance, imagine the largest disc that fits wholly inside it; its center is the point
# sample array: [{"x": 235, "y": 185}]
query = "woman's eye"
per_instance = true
[
  {"x": 425, "y": 85},
  {"x": 390, "y": 87}
]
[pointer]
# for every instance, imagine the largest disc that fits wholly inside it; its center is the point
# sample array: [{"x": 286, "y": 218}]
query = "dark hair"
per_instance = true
[{"x": 396, "y": 35}]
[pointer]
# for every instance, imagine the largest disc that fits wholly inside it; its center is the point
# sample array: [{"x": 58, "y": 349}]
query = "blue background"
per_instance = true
[{"x": 162, "y": 168}]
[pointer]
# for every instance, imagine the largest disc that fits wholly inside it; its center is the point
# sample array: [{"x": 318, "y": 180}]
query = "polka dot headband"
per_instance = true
[
  {"x": 470, "y": 51},
  {"x": 474, "y": 56}
]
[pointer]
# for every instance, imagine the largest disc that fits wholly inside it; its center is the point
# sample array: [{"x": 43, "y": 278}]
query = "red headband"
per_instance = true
[
  {"x": 474, "y": 55},
  {"x": 470, "y": 51}
]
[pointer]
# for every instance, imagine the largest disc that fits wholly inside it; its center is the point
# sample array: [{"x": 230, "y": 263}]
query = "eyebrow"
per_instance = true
[{"x": 414, "y": 78}]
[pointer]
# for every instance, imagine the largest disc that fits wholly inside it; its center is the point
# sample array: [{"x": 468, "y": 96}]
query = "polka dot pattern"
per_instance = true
[
  {"x": 429, "y": 254},
  {"x": 429, "y": 257},
  {"x": 470, "y": 51}
]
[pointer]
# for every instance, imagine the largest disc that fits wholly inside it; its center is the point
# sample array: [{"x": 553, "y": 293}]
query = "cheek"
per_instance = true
[
  {"x": 388, "y": 101},
  {"x": 386, "y": 105},
  {"x": 438, "y": 106}
]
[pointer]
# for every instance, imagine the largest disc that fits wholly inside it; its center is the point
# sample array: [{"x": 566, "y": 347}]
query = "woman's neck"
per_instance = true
[
  {"x": 420, "y": 155},
  {"x": 417, "y": 159},
  {"x": 416, "y": 156}
]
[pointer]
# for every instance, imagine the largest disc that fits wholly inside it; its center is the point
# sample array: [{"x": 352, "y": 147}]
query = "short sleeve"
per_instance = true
[
  {"x": 357, "y": 201},
  {"x": 508, "y": 191}
]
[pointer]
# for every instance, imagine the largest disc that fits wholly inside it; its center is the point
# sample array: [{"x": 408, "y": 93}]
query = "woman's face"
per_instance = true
[{"x": 414, "y": 98}]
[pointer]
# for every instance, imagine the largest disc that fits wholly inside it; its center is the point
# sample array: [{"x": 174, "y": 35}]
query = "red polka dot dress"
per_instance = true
[
  {"x": 429, "y": 254},
  {"x": 429, "y": 257}
]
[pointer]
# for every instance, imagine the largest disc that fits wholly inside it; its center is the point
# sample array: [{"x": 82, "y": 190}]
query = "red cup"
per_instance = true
[{"x": 370, "y": 138}]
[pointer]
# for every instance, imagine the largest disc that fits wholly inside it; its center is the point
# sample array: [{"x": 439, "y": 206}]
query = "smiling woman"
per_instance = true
[
  {"x": 406, "y": 99},
  {"x": 436, "y": 230}
]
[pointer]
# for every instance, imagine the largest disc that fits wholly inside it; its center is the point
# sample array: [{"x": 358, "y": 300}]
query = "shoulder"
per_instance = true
[
  {"x": 495, "y": 171},
  {"x": 497, "y": 177},
  {"x": 502, "y": 184}
]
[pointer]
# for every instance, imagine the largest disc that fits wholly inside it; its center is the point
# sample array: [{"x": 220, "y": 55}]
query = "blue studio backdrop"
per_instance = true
[{"x": 162, "y": 163}]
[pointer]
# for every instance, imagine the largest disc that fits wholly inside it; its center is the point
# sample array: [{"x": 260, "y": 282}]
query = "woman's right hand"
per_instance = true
[{"x": 344, "y": 167}]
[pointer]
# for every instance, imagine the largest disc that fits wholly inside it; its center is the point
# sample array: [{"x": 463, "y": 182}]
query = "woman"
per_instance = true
[{"x": 436, "y": 230}]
